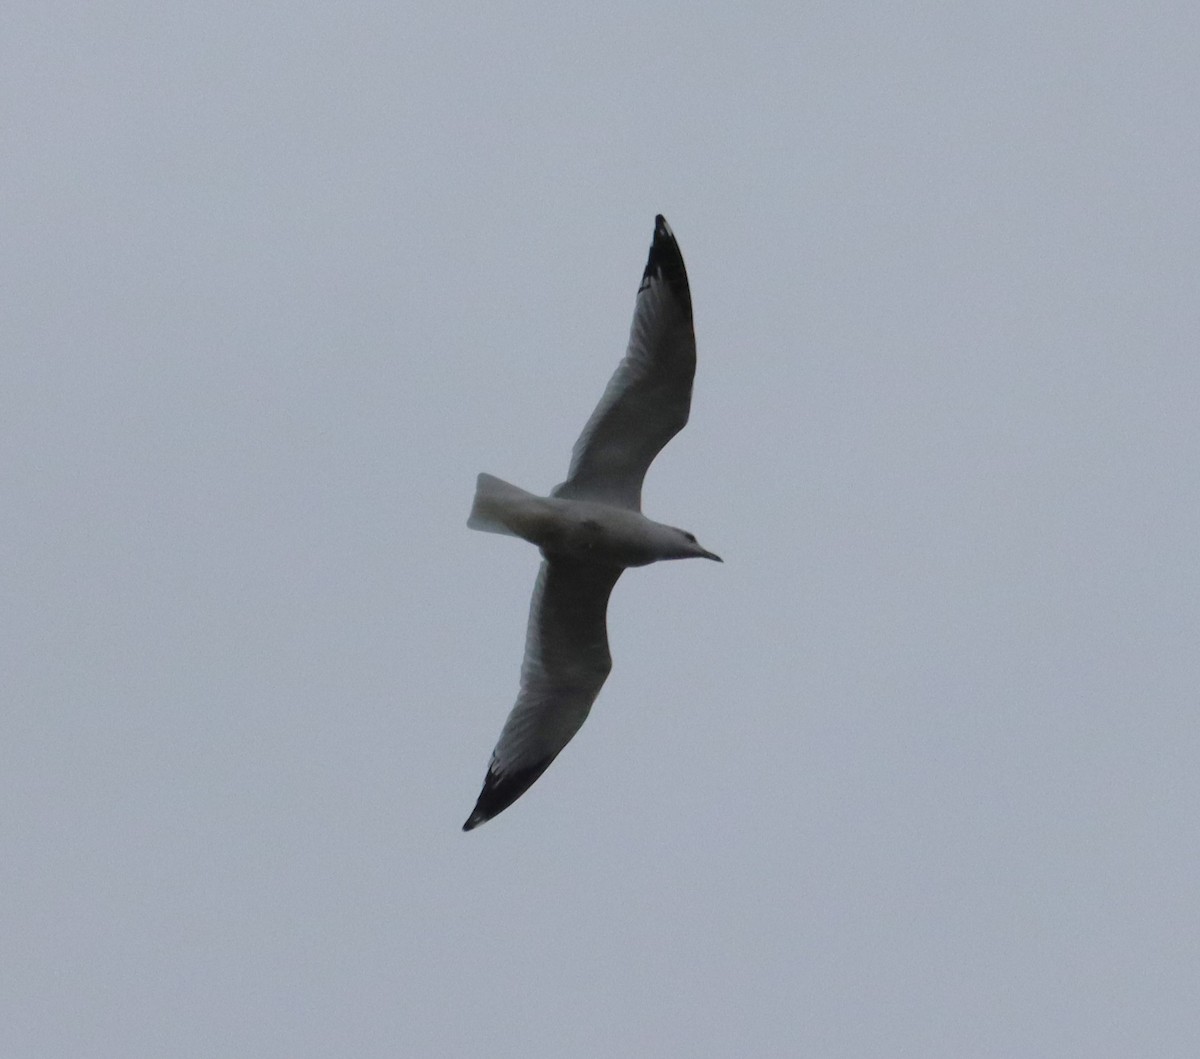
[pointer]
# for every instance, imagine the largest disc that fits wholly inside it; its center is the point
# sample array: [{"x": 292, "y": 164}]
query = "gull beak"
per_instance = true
[{"x": 711, "y": 555}]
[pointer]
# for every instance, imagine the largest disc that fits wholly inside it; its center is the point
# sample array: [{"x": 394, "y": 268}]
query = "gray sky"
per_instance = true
[{"x": 912, "y": 774}]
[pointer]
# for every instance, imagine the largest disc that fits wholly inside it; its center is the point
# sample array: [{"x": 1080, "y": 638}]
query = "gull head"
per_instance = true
[{"x": 685, "y": 546}]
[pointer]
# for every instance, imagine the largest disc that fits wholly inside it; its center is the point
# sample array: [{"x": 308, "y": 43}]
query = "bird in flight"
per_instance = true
[{"x": 590, "y": 528}]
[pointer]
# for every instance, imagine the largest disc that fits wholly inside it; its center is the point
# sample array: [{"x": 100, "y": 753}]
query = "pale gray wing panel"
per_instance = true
[
  {"x": 646, "y": 402},
  {"x": 566, "y": 664}
]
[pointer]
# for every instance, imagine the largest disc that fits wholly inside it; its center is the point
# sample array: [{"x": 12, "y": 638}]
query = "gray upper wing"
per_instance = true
[
  {"x": 647, "y": 400},
  {"x": 566, "y": 664}
]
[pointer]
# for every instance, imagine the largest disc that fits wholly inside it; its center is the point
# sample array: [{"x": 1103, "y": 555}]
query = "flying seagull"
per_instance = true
[{"x": 590, "y": 528}]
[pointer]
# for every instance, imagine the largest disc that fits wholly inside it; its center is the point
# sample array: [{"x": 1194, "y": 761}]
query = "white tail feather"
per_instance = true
[{"x": 496, "y": 504}]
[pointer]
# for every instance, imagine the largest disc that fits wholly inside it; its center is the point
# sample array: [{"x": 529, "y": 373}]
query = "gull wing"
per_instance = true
[
  {"x": 566, "y": 664},
  {"x": 648, "y": 398}
]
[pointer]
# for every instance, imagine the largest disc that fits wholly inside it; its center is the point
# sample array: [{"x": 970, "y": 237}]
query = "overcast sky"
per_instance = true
[{"x": 913, "y": 774}]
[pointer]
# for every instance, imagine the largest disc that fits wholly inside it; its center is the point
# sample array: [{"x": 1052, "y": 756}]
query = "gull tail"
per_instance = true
[{"x": 498, "y": 505}]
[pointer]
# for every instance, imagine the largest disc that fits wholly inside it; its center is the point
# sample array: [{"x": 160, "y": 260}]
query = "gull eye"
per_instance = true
[{"x": 691, "y": 537}]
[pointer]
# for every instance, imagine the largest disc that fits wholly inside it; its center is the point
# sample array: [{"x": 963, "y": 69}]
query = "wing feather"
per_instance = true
[
  {"x": 647, "y": 400},
  {"x": 566, "y": 664}
]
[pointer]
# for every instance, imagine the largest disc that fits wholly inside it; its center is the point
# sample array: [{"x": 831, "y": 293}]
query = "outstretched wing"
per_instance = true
[
  {"x": 566, "y": 664},
  {"x": 648, "y": 398}
]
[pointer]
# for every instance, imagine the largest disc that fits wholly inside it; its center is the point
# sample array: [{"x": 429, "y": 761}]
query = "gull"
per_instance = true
[{"x": 590, "y": 528}]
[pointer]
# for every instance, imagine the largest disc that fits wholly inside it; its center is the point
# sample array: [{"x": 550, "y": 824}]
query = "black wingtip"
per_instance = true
[
  {"x": 500, "y": 790},
  {"x": 666, "y": 261}
]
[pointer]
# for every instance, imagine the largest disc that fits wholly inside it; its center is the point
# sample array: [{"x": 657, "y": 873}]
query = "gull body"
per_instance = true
[
  {"x": 584, "y": 530},
  {"x": 591, "y": 528}
]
